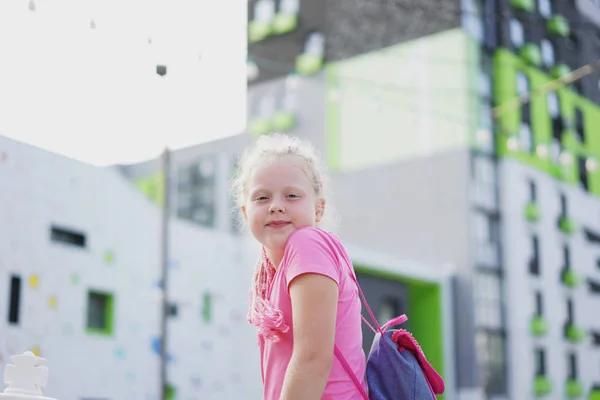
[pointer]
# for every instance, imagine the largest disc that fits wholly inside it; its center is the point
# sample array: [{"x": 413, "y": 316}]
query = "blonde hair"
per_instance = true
[{"x": 268, "y": 149}]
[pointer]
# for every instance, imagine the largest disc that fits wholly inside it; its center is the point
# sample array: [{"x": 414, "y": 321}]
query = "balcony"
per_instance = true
[
  {"x": 558, "y": 25},
  {"x": 539, "y": 326},
  {"x": 542, "y": 386},
  {"x": 573, "y": 389},
  {"x": 567, "y": 225},
  {"x": 523, "y": 5},
  {"x": 570, "y": 278},
  {"x": 574, "y": 333},
  {"x": 532, "y": 212}
]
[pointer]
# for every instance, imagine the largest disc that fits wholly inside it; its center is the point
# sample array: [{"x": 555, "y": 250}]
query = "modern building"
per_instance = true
[
  {"x": 81, "y": 285},
  {"x": 544, "y": 169}
]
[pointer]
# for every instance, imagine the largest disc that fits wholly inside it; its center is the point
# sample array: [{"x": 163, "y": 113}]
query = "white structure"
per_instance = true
[
  {"x": 25, "y": 378},
  {"x": 79, "y": 277},
  {"x": 553, "y": 316}
]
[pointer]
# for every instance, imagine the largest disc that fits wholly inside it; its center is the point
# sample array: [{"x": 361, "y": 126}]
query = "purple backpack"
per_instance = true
[{"x": 396, "y": 366}]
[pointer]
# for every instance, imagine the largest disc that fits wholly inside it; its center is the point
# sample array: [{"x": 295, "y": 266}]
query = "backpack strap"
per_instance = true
[
  {"x": 346, "y": 366},
  {"x": 366, "y": 304}
]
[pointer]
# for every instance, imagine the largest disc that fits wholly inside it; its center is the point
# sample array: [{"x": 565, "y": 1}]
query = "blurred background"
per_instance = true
[{"x": 460, "y": 139}]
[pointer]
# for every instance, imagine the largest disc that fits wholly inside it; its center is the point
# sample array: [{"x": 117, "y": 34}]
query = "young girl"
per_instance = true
[{"x": 303, "y": 299}]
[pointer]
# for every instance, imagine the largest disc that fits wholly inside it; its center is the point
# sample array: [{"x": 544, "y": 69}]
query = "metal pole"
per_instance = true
[{"x": 164, "y": 252}]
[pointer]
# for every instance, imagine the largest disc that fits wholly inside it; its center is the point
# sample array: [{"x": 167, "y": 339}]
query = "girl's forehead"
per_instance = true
[{"x": 278, "y": 172}]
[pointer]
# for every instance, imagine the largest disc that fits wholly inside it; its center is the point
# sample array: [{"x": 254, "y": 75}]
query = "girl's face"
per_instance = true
[{"x": 280, "y": 199}]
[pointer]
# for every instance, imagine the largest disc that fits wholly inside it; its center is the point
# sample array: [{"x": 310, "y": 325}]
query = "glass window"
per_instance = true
[
  {"x": 266, "y": 105},
  {"x": 315, "y": 44},
  {"x": 540, "y": 362},
  {"x": 553, "y": 106},
  {"x": 472, "y": 20},
  {"x": 485, "y": 117},
  {"x": 486, "y": 230},
  {"x": 492, "y": 362},
  {"x": 526, "y": 137},
  {"x": 289, "y": 6},
  {"x": 522, "y": 84},
  {"x": 264, "y": 10},
  {"x": 545, "y": 8},
  {"x": 488, "y": 300},
  {"x": 99, "y": 312},
  {"x": 196, "y": 195},
  {"x": 485, "y": 84},
  {"x": 517, "y": 33},
  {"x": 547, "y": 49},
  {"x": 484, "y": 170}
]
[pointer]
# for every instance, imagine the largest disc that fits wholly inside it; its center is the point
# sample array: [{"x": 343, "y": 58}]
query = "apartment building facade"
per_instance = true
[{"x": 543, "y": 166}]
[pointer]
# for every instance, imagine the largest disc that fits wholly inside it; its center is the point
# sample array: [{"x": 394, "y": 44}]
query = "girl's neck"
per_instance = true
[{"x": 275, "y": 256}]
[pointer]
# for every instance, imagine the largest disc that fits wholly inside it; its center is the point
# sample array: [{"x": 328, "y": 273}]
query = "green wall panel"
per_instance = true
[
  {"x": 152, "y": 187},
  {"x": 401, "y": 103},
  {"x": 506, "y": 67}
]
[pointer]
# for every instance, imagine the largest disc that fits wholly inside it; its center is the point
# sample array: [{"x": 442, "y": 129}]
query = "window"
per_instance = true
[
  {"x": 540, "y": 362},
  {"x": 563, "y": 205},
  {"x": 583, "y": 173},
  {"x": 579, "y": 125},
  {"x": 566, "y": 256},
  {"x": 100, "y": 312},
  {"x": 539, "y": 304},
  {"x": 207, "y": 307},
  {"x": 517, "y": 33},
  {"x": 67, "y": 236},
  {"x": 485, "y": 85},
  {"x": 288, "y": 99},
  {"x": 570, "y": 316},
  {"x": 534, "y": 261},
  {"x": 488, "y": 300},
  {"x": 522, "y": 84},
  {"x": 14, "y": 303},
  {"x": 572, "y": 361},
  {"x": 532, "y": 191},
  {"x": 389, "y": 308},
  {"x": 289, "y": 6},
  {"x": 547, "y": 49},
  {"x": 264, "y": 10},
  {"x": 472, "y": 20},
  {"x": 492, "y": 362},
  {"x": 486, "y": 228},
  {"x": 553, "y": 105},
  {"x": 484, "y": 171},
  {"x": 545, "y": 8},
  {"x": 485, "y": 117},
  {"x": 196, "y": 196},
  {"x": 593, "y": 287},
  {"x": 315, "y": 44},
  {"x": 526, "y": 137}
]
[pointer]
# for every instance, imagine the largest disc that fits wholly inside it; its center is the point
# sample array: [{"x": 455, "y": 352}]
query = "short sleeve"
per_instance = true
[{"x": 309, "y": 250}]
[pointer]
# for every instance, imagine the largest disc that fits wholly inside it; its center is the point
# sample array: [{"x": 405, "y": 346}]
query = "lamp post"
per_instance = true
[
  {"x": 161, "y": 70},
  {"x": 164, "y": 258}
]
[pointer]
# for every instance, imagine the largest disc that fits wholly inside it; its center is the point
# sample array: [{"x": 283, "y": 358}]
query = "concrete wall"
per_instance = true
[
  {"x": 121, "y": 256},
  {"x": 361, "y": 26},
  {"x": 521, "y": 285}
]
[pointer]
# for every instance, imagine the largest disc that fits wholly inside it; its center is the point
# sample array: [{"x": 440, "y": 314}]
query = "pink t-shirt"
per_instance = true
[{"x": 312, "y": 250}]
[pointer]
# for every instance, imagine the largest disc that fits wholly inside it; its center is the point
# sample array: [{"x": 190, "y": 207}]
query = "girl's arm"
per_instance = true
[{"x": 314, "y": 309}]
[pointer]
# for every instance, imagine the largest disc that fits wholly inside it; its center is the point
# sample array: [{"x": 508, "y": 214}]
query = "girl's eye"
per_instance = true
[
  {"x": 260, "y": 198},
  {"x": 292, "y": 195}
]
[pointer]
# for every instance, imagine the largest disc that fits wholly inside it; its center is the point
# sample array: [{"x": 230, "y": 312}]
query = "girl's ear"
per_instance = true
[
  {"x": 320, "y": 210},
  {"x": 244, "y": 213}
]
